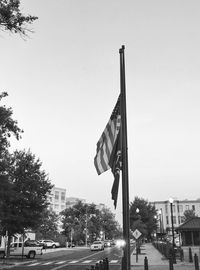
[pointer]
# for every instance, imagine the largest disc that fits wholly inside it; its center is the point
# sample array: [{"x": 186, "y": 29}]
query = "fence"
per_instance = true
[
  {"x": 171, "y": 263},
  {"x": 102, "y": 265},
  {"x": 166, "y": 249}
]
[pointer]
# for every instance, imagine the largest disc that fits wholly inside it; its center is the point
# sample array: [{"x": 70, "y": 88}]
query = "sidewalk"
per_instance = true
[{"x": 155, "y": 260}]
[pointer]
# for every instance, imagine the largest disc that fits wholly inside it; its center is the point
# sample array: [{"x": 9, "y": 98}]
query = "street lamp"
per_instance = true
[
  {"x": 137, "y": 212},
  {"x": 86, "y": 228},
  {"x": 156, "y": 234},
  {"x": 137, "y": 244},
  {"x": 172, "y": 221},
  {"x": 161, "y": 221}
]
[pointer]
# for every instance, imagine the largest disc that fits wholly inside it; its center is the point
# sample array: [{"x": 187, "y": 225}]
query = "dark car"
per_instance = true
[
  {"x": 71, "y": 245},
  {"x": 32, "y": 243}
]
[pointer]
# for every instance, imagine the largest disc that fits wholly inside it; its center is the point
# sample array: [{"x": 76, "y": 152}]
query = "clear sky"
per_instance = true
[{"x": 63, "y": 83}]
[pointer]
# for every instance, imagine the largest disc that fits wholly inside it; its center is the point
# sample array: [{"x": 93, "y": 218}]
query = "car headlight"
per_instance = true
[{"x": 120, "y": 243}]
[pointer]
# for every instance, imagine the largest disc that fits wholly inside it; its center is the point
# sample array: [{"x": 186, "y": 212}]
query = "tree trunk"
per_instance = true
[{"x": 8, "y": 246}]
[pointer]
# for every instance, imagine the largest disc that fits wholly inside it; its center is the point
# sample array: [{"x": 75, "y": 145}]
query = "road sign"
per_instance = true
[{"x": 137, "y": 234}]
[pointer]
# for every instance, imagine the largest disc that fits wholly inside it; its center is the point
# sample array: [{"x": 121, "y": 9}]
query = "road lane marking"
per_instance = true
[
  {"x": 73, "y": 262},
  {"x": 113, "y": 261},
  {"x": 62, "y": 266},
  {"x": 87, "y": 261},
  {"x": 60, "y": 262},
  {"x": 47, "y": 263},
  {"x": 33, "y": 264}
]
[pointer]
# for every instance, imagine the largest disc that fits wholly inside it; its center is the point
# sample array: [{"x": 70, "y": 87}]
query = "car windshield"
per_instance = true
[
  {"x": 30, "y": 243},
  {"x": 97, "y": 242}
]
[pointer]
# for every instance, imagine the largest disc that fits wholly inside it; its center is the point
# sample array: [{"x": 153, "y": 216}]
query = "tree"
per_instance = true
[
  {"x": 145, "y": 219},
  {"x": 85, "y": 221},
  {"x": 188, "y": 214},
  {"x": 23, "y": 196},
  {"x": 109, "y": 225},
  {"x": 8, "y": 127},
  {"x": 49, "y": 225},
  {"x": 79, "y": 220},
  {"x": 12, "y": 19}
]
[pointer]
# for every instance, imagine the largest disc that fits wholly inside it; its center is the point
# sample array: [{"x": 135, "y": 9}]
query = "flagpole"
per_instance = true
[{"x": 125, "y": 185}]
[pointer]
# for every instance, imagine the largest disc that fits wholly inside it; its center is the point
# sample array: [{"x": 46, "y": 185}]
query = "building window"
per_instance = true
[
  {"x": 193, "y": 207},
  {"x": 196, "y": 237},
  {"x": 56, "y": 195},
  {"x": 173, "y": 208},
  {"x": 188, "y": 239},
  {"x": 187, "y": 207},
  {"x": 56, "y": 206},
  {"x": 167, "y": 219},
  {"x": 166, "y": 209},
  {"x": 174, "y": 219},
  {"x": 180, "y": 208},
  {"x": 179, "y": 220},
  {"x": 182, "y": 219},
  {"x": 62, "y": 197}
]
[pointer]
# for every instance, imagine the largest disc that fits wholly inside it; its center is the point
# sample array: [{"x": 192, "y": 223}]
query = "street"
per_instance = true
[{"x": 75, "y": 258}]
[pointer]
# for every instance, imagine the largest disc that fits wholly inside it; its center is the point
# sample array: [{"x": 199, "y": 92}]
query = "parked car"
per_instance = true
[
  {"x": 32, "y": 243},
  {"x": 49, "y": 244},
  {"x": 71, "y": 244},
  {"x": 97, "y": 245},
  {"x": 107, "y": 243},
  {"x": 18, "y": 248}
]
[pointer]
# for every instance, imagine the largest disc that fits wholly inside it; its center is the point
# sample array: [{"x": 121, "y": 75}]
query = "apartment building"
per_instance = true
[
  {"x": 100, "y": 206},
  {"x": 71, "y": 201},
  {"x": 57, "y": 199},
  {"x": 178, "y": 208}
]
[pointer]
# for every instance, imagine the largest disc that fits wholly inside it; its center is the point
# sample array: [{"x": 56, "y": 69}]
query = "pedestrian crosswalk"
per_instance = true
[{"x": 44, "y": 263}]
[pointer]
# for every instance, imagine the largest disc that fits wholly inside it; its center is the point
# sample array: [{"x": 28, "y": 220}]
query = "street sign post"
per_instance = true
[{"x": 137, "y": 235}]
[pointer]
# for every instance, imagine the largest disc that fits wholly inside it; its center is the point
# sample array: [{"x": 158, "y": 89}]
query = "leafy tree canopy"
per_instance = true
[
  {"x": 108, "y": 224},
  {"x": 23, "y": 195},
  {"x": 12, "y": 19},
  {"x": 188, "y": 214},
  {"x": 85, "y": 220},
  {"x": 146, "y": 216},
  {"x": 49, "y": 225},
  {"x": 8, "y": 127}
]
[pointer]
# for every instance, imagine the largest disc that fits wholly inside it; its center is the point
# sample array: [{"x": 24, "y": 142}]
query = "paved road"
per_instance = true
[{"x": 72, "y": 259}]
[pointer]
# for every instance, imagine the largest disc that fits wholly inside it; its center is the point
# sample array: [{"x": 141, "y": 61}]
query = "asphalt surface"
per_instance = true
[
  {"x": 82, "y": 259},
  {"x": 67, "y": 259}
]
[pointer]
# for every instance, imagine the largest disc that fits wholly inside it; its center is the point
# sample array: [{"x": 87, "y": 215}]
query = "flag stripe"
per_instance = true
[
  {"x": 108, "y": 153},
  {"x": 107, "y": 140}
]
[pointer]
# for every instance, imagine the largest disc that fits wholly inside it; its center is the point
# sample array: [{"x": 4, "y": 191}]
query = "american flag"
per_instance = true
[{"x": 108, "y": 154}]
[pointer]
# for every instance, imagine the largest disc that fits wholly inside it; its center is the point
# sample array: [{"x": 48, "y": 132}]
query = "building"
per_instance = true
[
  {"x": 71, "y": 201},
  {"x": 178, "y": 208},
  {"x": 57, "y": 199},
  {"x": 100, "y": 206},
  {"x": 190, "y": 236}
]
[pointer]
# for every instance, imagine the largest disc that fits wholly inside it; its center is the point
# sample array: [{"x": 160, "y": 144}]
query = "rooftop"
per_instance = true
[{"x": 191, "y": 225}]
